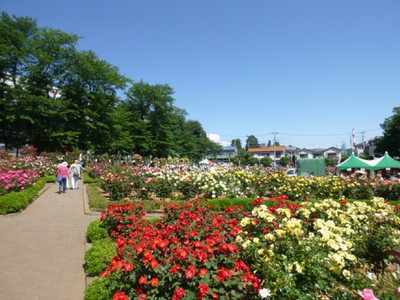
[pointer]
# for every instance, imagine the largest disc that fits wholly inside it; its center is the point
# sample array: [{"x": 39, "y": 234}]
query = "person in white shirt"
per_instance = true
[{"x": 76, "y": 173}]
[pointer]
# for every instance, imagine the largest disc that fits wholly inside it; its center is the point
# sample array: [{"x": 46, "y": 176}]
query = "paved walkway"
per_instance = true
[{"x": 42, "y": 248}]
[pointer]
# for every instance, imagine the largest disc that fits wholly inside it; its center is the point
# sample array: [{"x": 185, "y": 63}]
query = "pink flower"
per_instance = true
[
  {"x": 367, "y": 294},
  {"x": 398, "y": 292}
]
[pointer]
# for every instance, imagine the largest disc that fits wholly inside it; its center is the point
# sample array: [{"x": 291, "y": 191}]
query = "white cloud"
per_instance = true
[{"x": 217, "y": 139}]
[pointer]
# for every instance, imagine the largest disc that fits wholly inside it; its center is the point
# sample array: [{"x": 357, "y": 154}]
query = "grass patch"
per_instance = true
[{"x": 97, "y": 201}]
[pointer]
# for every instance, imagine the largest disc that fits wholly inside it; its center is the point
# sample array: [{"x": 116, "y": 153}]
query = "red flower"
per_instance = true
[
  {"x": 179, "y": 293},
  {"x": 198, "y": 244},
  {"x": 106, "y": 273},
  {"x": 143, "y": 297},
  {"x": 203, "y": 272},
  {"x": 224, "y": 274},
  {"x": 182, "y": 254},
  {"x": 241, "y": 265},
  {"x": 154, "y": 282},
  {"x": 215, "y": 296},
  {"x": 154, "y": 263},
  {"x": 175, "y": 269},
  {"x": 258, "y": 202},
  {"x": 143, "y": 280},
  {"x": 128, "y": 266},
  {"x": 120, "y": 296},
  {"x": 190, "y": 272},
  {"x": 204, "y": 289},
  {"x": 148, "y": 254}
]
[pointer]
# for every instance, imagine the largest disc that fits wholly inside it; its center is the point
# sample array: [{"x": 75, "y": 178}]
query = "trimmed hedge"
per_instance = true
[
  {"x": 18, "y": 201},
  {"x": 88, "y": 179},
  {"x": 99, "y": 289},
  {"x": 96, "y": 232},
  {"x": 99, "y": 256}
]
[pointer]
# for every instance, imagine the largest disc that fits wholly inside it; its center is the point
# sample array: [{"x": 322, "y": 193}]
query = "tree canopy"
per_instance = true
[
  {"x": 390, "y": 141},
  {"x": 252, "y": 142},
  {"x": 57, "y": 98}
]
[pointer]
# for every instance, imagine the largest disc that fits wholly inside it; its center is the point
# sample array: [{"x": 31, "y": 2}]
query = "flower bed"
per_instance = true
[
  {"x": 326, "y": 250},
  {"x": 123, "y": 181}
]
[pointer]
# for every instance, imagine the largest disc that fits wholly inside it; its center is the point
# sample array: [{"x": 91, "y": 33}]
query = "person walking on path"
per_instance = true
[
  {"x": 62, "y": 171},
  {"x": 75, "y": 172}
]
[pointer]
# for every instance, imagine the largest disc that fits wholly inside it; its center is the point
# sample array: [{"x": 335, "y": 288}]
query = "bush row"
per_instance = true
[{"x": 17, "y": 201}]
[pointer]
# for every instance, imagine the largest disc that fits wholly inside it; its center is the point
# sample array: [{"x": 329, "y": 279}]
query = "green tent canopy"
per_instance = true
[
  {"x": 353, "y": 162},
  {"x": 386, "y": 162}
]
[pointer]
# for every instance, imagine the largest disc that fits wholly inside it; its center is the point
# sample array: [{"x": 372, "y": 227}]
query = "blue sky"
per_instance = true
[{"x": 310, "y": 70}]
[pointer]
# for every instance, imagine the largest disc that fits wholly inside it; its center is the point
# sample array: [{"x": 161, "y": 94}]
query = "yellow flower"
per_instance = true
[
  {"x": 270, "y": 237},
  {"x": 246, "y": 244}
]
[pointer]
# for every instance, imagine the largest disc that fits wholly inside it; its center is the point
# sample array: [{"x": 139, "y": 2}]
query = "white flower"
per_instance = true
[{"x": 265, "y": 293}]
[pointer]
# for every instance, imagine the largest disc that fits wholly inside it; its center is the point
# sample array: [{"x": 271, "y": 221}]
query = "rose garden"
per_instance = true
[{"x": 231, "y": 233}]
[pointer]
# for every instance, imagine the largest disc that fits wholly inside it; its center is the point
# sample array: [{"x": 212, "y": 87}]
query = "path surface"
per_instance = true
[{"x": 42, "y": 248}]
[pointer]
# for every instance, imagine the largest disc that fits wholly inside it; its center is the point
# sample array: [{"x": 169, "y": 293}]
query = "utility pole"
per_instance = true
[
  {"x": 274, "y": 148},
  {"x": 363, "y": 142}
]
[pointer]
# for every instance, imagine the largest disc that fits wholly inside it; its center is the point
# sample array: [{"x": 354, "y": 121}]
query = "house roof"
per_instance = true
[
  {"x": 333, "y": 149},
  {"x": 229, "y": 148},
  {"x": 267, "y": 149}
]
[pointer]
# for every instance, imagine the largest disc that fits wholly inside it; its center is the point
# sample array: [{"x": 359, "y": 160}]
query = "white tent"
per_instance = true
[{"x": 205, "y": 162}]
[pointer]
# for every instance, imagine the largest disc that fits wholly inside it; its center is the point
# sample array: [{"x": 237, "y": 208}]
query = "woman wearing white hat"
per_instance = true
[{"x": 62, "y": 176}]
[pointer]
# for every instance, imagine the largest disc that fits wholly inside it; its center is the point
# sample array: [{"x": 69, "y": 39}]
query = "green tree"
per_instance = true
[
  {"x": 53, "y": 96},
  {"x": 152, "y": 112},
  {"x": 15, "y": 55},
  {"x": 266, "y": 161},
  {"x": 194, "y": 142},
  {"x": 390, "y": 140},
  {"x": 252, "y": 142},
  {"x": 237, "y": 143},
  {"x": 284, "y": 161},
  {"x": 91, "y": 99}
]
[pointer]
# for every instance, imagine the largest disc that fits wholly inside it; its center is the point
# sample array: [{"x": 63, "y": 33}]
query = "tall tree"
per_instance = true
[
  {"x": 53, "y": 96},
  {"x": 152, "y": 112},
  {"x": 390, "y": 140},
  {"x": 194, "y": 141},
  {"x": 237, "y": 143},
  {"x": 15, "y": 55},
  {"x": 252, "y": 142},
  {"x": 91, "y": 96}
]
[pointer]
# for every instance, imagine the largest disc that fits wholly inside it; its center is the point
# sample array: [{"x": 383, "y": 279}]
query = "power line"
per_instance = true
[{"x": 296, "y": 134}]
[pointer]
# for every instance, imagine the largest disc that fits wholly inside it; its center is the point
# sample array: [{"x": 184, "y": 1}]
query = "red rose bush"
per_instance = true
[{"x": 192, "y": 254}]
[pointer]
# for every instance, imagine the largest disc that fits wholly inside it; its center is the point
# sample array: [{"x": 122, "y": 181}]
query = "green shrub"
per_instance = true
[
  {"x": 99, "y": 289},
  {"x": 88, "y": 179},
  {"x": 95, "y": 232},
  {"x": 99, "y": 256},
  {"x": 16, "y": 201},
  {"x": 222, "y": 204}
]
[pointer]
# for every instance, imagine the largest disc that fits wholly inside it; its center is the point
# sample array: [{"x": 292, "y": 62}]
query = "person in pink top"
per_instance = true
[{"x": 64, "y": 172}]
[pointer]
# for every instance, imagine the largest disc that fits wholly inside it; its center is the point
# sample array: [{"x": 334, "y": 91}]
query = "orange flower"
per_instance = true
[{"x": 154, "y": 282}]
